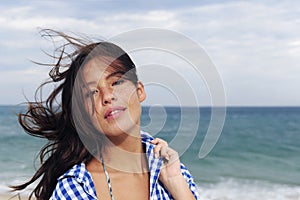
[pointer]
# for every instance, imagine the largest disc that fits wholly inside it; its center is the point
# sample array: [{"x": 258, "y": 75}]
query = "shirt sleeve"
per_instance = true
[
  {"x": 190, "y": 181},
  {"x": 69, "y": 189}
]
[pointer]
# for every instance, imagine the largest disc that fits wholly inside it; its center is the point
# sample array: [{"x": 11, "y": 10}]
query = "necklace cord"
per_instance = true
[{"x": 107, "y": 178}]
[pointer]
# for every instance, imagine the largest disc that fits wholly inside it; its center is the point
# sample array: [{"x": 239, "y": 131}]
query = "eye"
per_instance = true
[
  {"x": 118, "y": 82},
  {"x": 91, "y": 93}
]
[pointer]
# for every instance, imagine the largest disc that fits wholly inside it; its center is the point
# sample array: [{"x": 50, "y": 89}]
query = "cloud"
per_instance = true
[
  {"x": 255, "y": 45},
  {"x": 250, "y": 42},
  {"x": 15, "y": 85}
]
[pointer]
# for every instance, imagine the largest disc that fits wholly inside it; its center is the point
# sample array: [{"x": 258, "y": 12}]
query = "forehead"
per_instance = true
[{"x": 99, "y": 67}]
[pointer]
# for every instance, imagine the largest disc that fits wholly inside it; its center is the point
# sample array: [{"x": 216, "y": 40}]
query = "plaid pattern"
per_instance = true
[{"x": 77, "y": 182}]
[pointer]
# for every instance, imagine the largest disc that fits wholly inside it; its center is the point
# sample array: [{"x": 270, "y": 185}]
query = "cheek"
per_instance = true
[
  {"x": 89, "y": 106},
  {"x": 125, "y": 94},
  {"x": 134, "y": 104},
  {"x": 132, "y": 99},
  {"x": 92, "y": 111}
]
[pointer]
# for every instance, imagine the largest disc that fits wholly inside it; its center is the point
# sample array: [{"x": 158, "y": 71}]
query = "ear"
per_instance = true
[{"x": 141, "y": 91}]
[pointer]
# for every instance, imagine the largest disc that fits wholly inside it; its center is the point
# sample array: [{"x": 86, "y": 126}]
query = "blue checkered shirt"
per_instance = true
[{"x": 77, "y": 182}]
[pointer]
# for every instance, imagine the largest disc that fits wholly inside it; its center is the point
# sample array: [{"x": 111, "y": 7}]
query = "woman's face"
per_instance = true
[{"x": 117, "y": 100}]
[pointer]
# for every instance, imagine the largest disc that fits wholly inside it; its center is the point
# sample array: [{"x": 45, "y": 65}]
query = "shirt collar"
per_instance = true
[
  {"x": 154, "y": 164},
  {"x": 82, "y": 176}
]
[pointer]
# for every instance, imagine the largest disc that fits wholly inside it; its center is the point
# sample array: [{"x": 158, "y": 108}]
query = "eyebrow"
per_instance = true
[
  {"x": 108, "y": 77},
  {"x": 114, "y": 74}
]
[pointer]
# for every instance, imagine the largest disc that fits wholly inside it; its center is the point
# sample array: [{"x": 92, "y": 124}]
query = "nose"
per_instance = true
[{"x": 107, "y": 96}]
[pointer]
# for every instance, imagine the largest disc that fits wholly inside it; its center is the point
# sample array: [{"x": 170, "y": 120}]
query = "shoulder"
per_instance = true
[
  {"x": 76, "y": 183},
  {"x": 78, "y": 171}
]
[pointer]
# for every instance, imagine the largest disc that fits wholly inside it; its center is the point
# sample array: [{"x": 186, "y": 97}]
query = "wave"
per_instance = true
[
  {"x": 225, "y": 189},
  {"x": 235, "y": 189}
]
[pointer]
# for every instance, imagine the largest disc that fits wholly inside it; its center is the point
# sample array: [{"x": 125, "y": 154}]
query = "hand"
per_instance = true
[
  {"x": 170, "y": 174},
  {"x": 160, "y": 148},
  {"x": 171, "y": 167}
]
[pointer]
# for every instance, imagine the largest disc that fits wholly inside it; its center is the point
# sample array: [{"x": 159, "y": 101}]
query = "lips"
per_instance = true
[{"x": 114, "y": 112}]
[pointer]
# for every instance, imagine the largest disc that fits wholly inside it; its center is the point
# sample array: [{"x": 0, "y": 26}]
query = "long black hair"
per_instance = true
[{"x": 53, "y": 118}]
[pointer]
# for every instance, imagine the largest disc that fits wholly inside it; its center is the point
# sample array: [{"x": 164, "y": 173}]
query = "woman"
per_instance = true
[{"x": 96, "y": 149}]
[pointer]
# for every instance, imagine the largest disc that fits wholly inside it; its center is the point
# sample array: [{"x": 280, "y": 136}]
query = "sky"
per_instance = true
[{"x": 254, "y": 45}]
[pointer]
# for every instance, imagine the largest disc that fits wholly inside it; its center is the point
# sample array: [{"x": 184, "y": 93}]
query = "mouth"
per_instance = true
[{"x": 114, "y": 112}]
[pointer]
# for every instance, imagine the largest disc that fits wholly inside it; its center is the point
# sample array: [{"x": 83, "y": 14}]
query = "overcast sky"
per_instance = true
[{"x": 255, "y": 45}]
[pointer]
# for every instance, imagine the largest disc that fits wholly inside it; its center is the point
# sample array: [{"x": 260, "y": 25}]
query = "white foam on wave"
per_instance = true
[
  {"x": 6, "y": 190},
  {"x": 233, "y": 189},
  {"x": 226, "y": 189}
]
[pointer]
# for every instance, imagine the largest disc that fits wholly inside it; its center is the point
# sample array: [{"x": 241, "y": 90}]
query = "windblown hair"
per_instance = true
[{"x": 61, "y": 118}]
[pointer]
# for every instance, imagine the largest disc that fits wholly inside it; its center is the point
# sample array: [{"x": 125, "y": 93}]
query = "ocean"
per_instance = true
[{"x": 256, "y": 156}]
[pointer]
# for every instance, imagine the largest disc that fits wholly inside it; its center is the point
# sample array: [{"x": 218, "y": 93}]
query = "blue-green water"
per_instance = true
[{"x": 256, "y": 156}]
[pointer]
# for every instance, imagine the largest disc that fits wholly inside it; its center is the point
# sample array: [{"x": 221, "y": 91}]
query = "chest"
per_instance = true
[{"x": 124, "y": 186}]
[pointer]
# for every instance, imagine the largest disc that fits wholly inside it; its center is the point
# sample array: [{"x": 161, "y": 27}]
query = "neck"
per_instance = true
[
  {"x": 127, "y": 142},
  {"x": 125, "y": 153}
]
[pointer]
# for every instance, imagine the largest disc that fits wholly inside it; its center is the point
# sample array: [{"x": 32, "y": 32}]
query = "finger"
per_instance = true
[
  {"x": 154, "y": 141},
  {"x": 159, "y": 144},
  {"x": 164, "y": 153},
  {"x": 159, "y": 141},
  {"x": 171, "y": 155},
  {"x": 157, "y": 150}
]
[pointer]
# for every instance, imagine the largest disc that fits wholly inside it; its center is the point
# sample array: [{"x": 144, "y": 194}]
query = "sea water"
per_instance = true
[{"x": 256, "y": 156}]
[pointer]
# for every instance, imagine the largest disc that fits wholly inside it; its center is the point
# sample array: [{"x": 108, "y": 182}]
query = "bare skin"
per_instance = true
[{"x": 138, "y": 186}]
